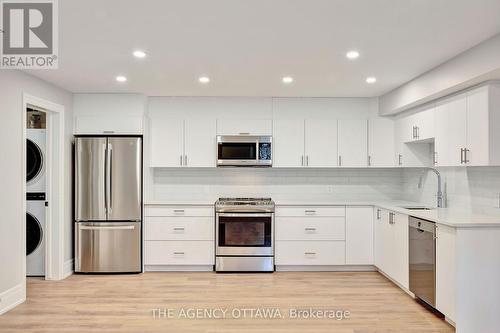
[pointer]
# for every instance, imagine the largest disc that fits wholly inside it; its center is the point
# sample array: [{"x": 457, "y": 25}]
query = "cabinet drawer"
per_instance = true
[
  {"x": 179, "y": 228},
  {"x": 310, "y": 228},
  {"x": 311, "y": 211},
  {"x": 179, "y": 253},
  {"x": 310, "y": 253},
  {"x": 179, "y": 211}
]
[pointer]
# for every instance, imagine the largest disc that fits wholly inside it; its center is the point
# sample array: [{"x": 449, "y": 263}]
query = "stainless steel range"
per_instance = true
[{"x": 244, "y": 235}]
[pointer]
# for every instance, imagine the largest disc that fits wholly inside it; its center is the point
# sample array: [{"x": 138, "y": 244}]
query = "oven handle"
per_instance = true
[{"x": 246, "y": 214}]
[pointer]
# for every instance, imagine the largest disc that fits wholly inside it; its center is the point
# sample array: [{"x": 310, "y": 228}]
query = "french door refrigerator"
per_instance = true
[{"x": 108, "y": 204}]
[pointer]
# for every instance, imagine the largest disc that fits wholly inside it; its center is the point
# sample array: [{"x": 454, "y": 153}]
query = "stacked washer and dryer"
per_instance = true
[{"x": 36, "y": 192}]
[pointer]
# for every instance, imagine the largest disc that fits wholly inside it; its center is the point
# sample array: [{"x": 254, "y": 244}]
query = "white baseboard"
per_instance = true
[
  {"x": 12, "y": 297},
  {"x": 178, "y": 268},
  {"x": 340, "y": 268},
  {"x": 68, "y": 268}
]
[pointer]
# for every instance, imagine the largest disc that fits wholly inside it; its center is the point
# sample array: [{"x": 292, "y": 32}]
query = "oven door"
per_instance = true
[{"x": 245, "y": 234}]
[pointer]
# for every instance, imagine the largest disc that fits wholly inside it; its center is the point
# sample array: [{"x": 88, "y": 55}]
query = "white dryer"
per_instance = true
[
  {"x": 35, "y": 234},
  {"x": 35, "y": 159}
]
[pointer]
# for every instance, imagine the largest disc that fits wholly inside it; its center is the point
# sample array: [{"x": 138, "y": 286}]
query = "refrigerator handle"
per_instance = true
[
  {"x": 109, "y": 184},
  {"x": 105, "y": 178}
]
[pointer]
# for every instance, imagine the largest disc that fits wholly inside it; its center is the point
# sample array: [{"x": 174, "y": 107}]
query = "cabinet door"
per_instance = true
[
  {"x": 359, "y": 235},
  {"x": 451, "y": 132},
  {"x": 353, "y": 142},
  {"x": 108, "y": 124},
  {"x": 288, "y": 143},
  {"x": 425, "y": 124},
  {"x": 167, "y": 142},
  {"x": 321, "y": 142},
  {"x": 445, "y": 271},
  {"x": 383, "y": 240},
  {"x": 381, "y": 142},
  {"x": 478, "y": 128},
  {"x": 400, "y": 269},
  {"x": 199, "y": 143},
  {"x": 242, "y": 126}
]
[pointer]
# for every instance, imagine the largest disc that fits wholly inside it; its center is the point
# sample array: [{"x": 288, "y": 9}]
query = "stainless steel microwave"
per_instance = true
[{"x": 244, "y": 150}]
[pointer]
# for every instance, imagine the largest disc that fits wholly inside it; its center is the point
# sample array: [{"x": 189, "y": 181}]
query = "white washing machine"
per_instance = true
[
  {"x": 35, "y": 234},
  {"x": 35, "y": 160}
]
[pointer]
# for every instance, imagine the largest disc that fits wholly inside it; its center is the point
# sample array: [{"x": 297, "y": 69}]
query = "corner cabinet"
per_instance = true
[
  {"x": 182, "y": 142},
  {"x": 391, "y": 245}
]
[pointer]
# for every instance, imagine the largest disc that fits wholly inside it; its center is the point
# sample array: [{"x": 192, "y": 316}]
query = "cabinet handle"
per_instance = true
[
  {"x": 244, "y": 133},
  {"x": 179, "y": 211},
  {"x": 435, "y": 158},
  {"x": 310, "y": 253},
  {"x": 309, "y": 212},
  {"x": 179, "y": 229},
  {"x": 400, "y": 158},
  {"x": 369, "y": 160},
  {"x": 461, "y": 155},
  {"x": 178, "y": 253},
  {"x": 391, "y": 218},
  {"x": 340, "y": 160},
  {"x": 185, "y": 160},
  {"x": 310, "y": 229},
  {"x": 302, "y": 160},
  {"x": 413, "y": 133},
  {"x": 180, "y": 160},
  {"x": 417, "y": 132},
  {"x": 466, "y": 159},
  {"x": 108, "y": 132},
  {"x": 307, "y": 160},
  {"x": 378, "y": 214}
]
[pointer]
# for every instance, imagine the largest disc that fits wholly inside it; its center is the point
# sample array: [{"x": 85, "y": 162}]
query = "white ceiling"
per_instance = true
[{"x": 247, "y": 46}]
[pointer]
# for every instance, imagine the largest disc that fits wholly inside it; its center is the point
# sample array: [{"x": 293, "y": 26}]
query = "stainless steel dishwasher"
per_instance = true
[{"x": 422, "y": 260}]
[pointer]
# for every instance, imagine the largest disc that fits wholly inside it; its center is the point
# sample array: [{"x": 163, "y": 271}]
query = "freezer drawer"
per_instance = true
[{"x": 108, "y": 247}]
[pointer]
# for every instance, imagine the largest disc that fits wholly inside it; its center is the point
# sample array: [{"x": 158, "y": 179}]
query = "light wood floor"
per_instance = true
[{"x": 124, "y": 303}]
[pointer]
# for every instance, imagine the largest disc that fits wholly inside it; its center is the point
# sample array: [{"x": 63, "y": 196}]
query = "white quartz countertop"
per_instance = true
[{"x": 445, "y": 216}]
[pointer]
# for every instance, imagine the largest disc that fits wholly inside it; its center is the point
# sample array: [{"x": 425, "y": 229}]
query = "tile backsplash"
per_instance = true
[{"x": 285, "y": 184}]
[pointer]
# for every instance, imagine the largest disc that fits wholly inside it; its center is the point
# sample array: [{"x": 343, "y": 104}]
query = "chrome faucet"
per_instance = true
[{"x": 439, "y": 191}]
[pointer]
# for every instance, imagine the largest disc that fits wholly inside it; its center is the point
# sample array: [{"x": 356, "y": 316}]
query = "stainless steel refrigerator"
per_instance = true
[{"x": 108, "y": 204}]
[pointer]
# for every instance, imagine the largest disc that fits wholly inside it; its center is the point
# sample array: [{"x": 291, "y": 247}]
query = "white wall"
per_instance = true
[
  {"x": 466, "y": 188},
  {"x": 12, "y": 86},
  {"x": 476, "y": 65}
]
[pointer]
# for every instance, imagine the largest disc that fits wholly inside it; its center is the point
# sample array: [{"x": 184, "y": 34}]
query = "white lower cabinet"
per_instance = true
[
  {"x": 179, "y": 252},
  {"x": 445, "y": 270},
  {"x": 391, "y": 245},
  {"x": 304, "y": 253},
  {"x": 178, "y": 236},
  {"x": 359, "y": 235}
]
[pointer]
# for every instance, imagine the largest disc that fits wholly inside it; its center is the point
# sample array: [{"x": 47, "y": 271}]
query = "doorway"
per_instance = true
[{"x": 54, "y": 179}]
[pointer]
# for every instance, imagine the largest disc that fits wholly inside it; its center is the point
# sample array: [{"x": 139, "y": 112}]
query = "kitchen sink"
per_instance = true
[{"x": 417, "y": 208}]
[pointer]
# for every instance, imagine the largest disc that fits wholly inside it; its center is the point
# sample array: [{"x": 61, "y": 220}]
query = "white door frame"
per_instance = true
[{"x": 55, "y": 222}]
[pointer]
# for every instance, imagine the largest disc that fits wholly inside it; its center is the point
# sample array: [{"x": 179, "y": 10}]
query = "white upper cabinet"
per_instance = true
[
  {"x": 108, "y": 113},
  {"x": 167, "y": 142},
  {"x": 410, "y": 154},
  {"x": 320, "y": 143},
  {"x": 381, "y": 142},
  {"x": 481, "y": 129},
  {"x": 242, "y": 126},
  {"x": 353, "y": 142},
  {"x": 199, "y": 143},
  {"x": 288, "y": 143},
  {"x": 182, "y": 143},
  {"x": 467, "y": 128}
]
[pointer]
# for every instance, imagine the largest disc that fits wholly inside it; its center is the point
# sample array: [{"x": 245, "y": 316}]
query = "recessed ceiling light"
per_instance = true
[
  {"x": 352, "y": 55},
  {"x": 204, "y": 79},
  {"x": 121, "y": 78},
  {"x": 371, "y": 79},
  {"x": 287, "y": 79},
  {"x": 139, "y": 54}
]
